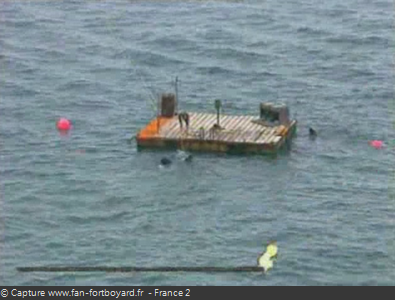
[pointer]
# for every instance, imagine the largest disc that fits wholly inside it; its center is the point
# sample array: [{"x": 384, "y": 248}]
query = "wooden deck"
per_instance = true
[{"x": 237, "y": 134}]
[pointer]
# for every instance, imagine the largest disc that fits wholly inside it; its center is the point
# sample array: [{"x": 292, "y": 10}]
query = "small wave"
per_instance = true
[
  {"x": 362, "y": 72},
  {"x": 213, "y": 70},
  {"x": 51, "y": 21},
  {"x": 174, "y": 42},
  {"x": 312, "y": 31},
  {"x": 153, "y": 59},
  {"x": 19, "y": 63},
  {"x": 263, "y": 74},
  {"x": 83, "y": 220},
  {"x": 75, "y": 84},
  {"x": 341, "y": 12},
  {"x": 116, "y": 200},
  {"x": 87, "y": 87},
  {"x": 54, "y": 245},
  {"x": 359, "y": 41},
  {"x": 53, "y": 53},
  {"x": 17, "y": 90},
  {"x": 237, "y": 54},
  {"x": 259, "y": 44},
  {"x": 21, "y": 23}
]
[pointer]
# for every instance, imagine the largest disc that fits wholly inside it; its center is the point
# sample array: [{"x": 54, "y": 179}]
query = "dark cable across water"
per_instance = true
[{"x": 142, "y": 269}]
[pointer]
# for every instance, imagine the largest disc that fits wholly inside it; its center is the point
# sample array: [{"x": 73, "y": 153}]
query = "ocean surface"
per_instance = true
[{"x": 90, "y": 198}]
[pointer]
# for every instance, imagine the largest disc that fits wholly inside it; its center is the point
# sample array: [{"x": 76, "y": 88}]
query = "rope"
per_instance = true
[{"x": 149, "y": 90}]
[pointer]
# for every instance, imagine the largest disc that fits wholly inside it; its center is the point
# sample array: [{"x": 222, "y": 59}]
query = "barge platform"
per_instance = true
[
  {"x": 236, "y": 134},
  {"x": 267, "y": 133}
]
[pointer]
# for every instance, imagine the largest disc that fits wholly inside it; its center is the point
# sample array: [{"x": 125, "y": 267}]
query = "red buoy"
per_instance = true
[
  {"x": 63, "y": 124},
  {"x": 376, "y": 144}
]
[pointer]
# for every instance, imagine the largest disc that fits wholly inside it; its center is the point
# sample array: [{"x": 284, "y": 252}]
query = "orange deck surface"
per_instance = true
[{"x": 152, "y": 129}]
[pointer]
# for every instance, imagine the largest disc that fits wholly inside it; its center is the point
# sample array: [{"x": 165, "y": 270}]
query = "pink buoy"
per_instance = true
[
  {"x": 376, "y": 144},
  {"x": 63, "y": 124}
]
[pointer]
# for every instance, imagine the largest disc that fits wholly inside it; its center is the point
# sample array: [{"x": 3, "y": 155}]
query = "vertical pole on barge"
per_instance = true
[
  {"x": 158, "y": 116},
  {"x": 177, "y": 94},
  {"x": 218, "y": 106}
]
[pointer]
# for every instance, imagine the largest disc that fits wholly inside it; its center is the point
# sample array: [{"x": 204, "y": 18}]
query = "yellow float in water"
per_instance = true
[{"x": 266, "y": 259}]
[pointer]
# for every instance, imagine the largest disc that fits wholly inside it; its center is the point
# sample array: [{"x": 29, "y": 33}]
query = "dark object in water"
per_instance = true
[
  {"x": 312, "y": 133},
  {"x": 165, "y": 161},
  {"x": 188, "y": 158}
]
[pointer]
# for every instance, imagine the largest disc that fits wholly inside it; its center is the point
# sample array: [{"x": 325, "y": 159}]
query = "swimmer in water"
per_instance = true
[
  {"x": 188, "y": 158},
  {"x": 184, "y": 156},
  {"x": 165, "y": 161},
  {"x": 312, "y": 133}
]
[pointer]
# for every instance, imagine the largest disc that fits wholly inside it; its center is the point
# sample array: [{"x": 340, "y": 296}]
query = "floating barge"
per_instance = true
[{"x": 213, "y": 132}]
